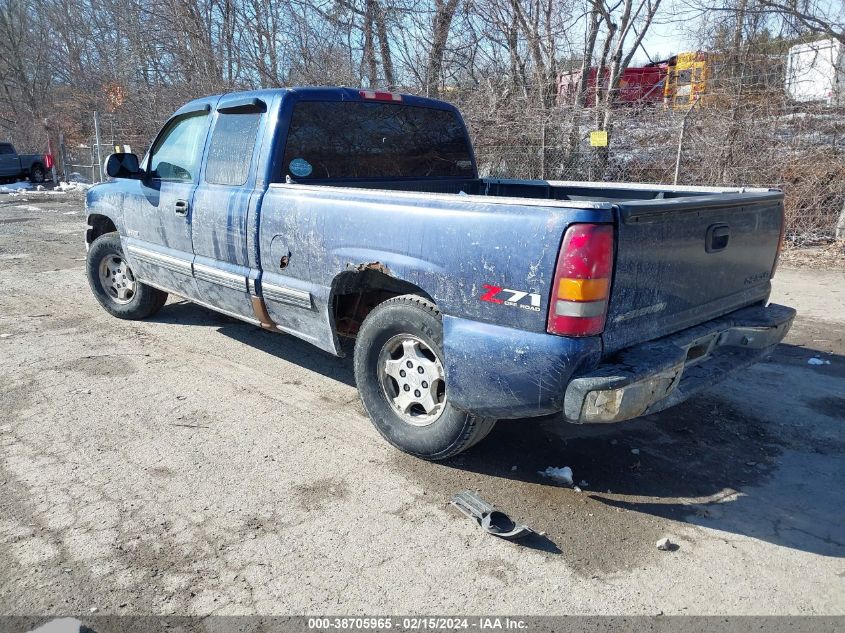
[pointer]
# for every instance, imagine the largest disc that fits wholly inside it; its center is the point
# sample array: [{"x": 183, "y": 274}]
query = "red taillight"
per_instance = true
[
  {"x": 581, "y": 289},
  {"x": 378, "y": 95}
]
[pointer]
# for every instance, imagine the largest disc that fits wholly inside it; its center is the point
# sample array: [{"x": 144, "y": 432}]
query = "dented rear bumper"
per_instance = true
[{"x": 653, "y": 376}]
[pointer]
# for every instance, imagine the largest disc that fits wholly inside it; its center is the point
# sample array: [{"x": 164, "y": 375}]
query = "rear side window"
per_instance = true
[
  {"x": 374, "y": 140},
  {"x": 232, "y": 145},
  {"x": 5, "y": 148}
]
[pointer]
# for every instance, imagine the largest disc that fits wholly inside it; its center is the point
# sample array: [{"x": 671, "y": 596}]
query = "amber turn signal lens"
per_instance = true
[{"x": 582, "y": 289}]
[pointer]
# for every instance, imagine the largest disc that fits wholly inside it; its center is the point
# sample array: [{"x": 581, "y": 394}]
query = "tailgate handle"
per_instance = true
[{"x": 717, "y": 238}]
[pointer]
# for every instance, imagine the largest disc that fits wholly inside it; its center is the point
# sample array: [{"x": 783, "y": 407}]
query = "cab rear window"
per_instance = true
[{"x": 329, "y": 140}]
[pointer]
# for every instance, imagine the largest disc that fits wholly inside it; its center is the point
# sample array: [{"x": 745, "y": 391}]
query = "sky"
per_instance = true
[
  {"x": 664, "y": 40},
  {"x": 672, "y": 32},
  {"x": 677, "y": 24}
]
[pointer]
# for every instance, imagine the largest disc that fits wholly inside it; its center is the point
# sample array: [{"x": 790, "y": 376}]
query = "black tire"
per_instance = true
[
  {"x": 144, "y": 300},
  {"x": 453, "y": 430},
  {"x": 37, "y": 173}
]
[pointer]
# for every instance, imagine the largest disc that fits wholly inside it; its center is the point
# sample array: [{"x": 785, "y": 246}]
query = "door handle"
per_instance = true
[{"x": 181, "y": 207}]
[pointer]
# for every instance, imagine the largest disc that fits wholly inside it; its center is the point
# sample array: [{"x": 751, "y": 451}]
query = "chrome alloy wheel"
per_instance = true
[
  {"x": 412, "y": 379},
  {"x": 117, "y": 279}
]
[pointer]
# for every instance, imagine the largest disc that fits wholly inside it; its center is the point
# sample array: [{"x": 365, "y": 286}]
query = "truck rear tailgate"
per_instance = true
[{"x": 683, "y": 261}]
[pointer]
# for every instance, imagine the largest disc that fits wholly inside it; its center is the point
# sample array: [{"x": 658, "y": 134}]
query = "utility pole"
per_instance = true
[
  {"x": 63, "y": 152},
  {"x": 97, "y": 141},
  {"x": 681, "y": 140}
]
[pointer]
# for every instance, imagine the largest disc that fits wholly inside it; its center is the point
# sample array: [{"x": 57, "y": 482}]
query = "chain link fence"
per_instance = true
[
  {"x": 82, "y": 160},
  {"x": 759, "y": 141},
  {"x": 765, "y": 142}
]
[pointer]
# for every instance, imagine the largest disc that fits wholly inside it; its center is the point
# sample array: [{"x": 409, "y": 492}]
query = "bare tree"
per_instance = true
[
  {"x": 621, "y": 20},
  {"x": 444, "y": 13},
  {"x": 819, "y": 17}
]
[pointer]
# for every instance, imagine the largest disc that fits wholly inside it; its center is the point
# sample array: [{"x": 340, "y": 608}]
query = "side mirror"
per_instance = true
[{"x": 123, "y": 166}]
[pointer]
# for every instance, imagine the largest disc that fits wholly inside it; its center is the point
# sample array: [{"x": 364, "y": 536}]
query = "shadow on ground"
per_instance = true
[
  {"x": 283, "y": 346},
  {"x": 704, "y": 462}
]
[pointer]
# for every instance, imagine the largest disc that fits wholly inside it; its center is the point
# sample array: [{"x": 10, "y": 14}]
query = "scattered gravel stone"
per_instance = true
[{"x": 665, "y": 545}]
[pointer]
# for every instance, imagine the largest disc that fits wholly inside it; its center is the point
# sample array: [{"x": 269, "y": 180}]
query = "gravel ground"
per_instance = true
[{"x": 192, "y": 464}]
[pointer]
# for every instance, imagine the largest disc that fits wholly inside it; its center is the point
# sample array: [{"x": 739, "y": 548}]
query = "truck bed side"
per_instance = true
[{"x": 448, "y": 246}]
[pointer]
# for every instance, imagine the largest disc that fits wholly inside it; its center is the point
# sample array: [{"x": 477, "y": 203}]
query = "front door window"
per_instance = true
[{"x": 176, "y": 154}]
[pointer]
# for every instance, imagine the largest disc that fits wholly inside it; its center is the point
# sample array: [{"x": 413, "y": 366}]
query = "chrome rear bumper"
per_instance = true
[{"x": 650, "y": 377}]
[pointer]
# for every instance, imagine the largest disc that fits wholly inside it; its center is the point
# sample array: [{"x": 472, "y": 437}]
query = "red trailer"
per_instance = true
[{"x": 643, "y": 84}]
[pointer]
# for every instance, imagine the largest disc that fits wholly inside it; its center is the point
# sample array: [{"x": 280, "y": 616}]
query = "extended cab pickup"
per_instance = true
[
  {"x": 14, "y": 166},
  {"x": 332, "y": 214}
]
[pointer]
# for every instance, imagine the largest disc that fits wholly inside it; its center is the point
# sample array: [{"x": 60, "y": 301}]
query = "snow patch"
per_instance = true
[
  {"x": 15, "y": 187},
  {"x": 560, "y": 475},
  {"x": 71, "y": 186},
  {"x": 77, "y": 177},
  {"x": 818, "y": 361}
]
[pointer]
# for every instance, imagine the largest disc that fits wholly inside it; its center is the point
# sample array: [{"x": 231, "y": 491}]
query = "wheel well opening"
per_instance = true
[
  {"x": 100, "y": 225},
  {"x": 356, "y": 293}
]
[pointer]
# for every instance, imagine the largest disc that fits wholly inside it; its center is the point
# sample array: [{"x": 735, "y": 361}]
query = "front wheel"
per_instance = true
[
  {"x": 113, "y": 282},
  {"x": 402, "y": 381}
]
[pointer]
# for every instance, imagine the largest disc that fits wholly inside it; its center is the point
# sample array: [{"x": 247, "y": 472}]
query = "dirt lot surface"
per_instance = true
[
  {"x": 829, "y": 256},
  {"x": 191, "y": 464}
]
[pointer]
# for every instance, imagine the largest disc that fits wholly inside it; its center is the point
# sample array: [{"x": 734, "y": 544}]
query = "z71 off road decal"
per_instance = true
[{"x": 508, "y": 297}]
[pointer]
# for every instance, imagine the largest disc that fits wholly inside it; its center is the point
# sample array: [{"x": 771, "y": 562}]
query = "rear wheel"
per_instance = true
[
  {"x": 113, "y": 282},
  {"x": 402, "y": 381},
  {"x": 37, "y": 174}
]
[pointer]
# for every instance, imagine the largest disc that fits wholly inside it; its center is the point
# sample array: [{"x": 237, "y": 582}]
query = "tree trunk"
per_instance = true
[
  {"x": 369, "y": 48},
  {"x": 442, "y": 23},
  {"x": 580, "y": 97},
  {"x": 384, "y": 45}
]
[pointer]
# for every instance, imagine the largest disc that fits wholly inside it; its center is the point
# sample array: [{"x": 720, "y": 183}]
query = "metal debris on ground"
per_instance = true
[
  {"x": 560, "y": 475},
  {"x": 490, "y": 519}
]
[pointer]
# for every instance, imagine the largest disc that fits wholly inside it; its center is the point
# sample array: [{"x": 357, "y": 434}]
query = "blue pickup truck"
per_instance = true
[
  {"x": 334, "y": 214},
  {"x": 14, "y": 166}
]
